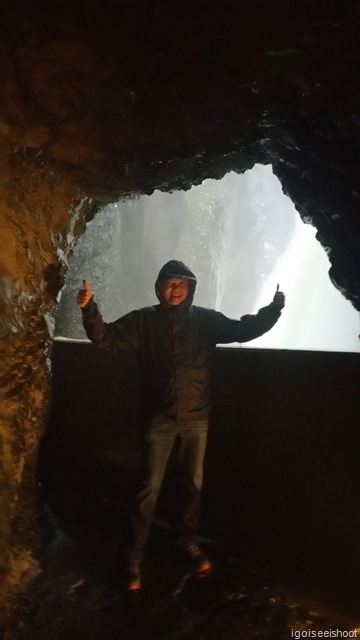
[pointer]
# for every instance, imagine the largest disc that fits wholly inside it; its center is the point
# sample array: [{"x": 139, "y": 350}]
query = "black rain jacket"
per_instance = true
[{"x": 175, "y": 346}]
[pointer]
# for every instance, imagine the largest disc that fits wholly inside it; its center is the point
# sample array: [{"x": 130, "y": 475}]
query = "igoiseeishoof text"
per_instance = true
[{"x": 326, "y": 633}]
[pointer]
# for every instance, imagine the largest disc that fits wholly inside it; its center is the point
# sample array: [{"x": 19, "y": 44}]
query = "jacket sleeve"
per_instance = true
[
  {"x": 121, "y": 334},
  {"x": 248, "y": 327}
]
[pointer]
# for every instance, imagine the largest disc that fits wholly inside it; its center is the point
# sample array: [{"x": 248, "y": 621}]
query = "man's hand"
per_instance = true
[
  {"x": 84, "y": 295},
  {"x": 279, "y": 298}
]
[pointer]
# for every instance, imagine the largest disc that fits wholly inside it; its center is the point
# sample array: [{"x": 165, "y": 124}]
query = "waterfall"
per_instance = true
[{"x": 240, "y": 235}]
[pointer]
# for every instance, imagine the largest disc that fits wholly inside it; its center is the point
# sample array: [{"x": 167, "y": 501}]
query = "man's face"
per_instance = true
[{"x": 174, "y": 290}]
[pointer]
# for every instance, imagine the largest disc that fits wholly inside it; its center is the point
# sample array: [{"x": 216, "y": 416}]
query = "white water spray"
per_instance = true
[{"x": 240, "y": 235}]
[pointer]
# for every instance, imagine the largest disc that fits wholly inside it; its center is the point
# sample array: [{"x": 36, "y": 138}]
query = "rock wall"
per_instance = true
[{"x": 101, "y": 100}]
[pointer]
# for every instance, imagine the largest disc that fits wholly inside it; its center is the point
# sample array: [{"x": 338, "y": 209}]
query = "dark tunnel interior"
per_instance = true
[{"x": 277, "y": 496}]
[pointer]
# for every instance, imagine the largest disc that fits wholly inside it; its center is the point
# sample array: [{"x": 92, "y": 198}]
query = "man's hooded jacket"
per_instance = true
[{"x": 175, "y": 345}]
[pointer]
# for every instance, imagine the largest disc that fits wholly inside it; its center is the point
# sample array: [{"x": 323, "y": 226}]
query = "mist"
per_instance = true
[{"x": 240, "y": 235}]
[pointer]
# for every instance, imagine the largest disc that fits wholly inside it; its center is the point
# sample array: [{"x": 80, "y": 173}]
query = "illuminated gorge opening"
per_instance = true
[{"x": 240, "y": 235}]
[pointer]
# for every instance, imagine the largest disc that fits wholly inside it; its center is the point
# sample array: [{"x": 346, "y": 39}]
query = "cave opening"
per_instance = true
[{"x": 241, "y": 235}]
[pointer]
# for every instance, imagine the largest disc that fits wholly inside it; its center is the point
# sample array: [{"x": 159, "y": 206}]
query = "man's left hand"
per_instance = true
[{"x": 279, "y": 298}]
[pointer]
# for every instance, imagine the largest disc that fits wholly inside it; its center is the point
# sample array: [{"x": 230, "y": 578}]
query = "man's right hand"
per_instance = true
[{"x": 84, "y": 296}]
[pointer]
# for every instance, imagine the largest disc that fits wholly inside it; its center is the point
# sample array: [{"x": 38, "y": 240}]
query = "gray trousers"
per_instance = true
[{"x": 190, "y": 437}]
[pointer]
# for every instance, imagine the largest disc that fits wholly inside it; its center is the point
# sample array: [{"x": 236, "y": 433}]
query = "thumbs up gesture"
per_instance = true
[
  {"x": 84, "y": 295},
  {"x": 279, "y": 298}
]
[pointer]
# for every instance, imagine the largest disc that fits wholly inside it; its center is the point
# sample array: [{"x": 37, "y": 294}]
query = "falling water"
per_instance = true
[{"x": 241, "y": 235}]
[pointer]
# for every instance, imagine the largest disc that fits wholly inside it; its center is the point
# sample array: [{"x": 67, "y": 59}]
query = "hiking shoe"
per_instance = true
[
  {"x": 134, "y": 576},
  {"x": 198, "y": 558}
]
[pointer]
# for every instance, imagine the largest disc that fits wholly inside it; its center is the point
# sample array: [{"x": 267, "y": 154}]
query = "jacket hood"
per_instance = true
[{"x": 177, "y": 269}]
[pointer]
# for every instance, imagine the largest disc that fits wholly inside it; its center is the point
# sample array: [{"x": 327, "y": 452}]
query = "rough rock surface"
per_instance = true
[{"x": 104, "y": 99}]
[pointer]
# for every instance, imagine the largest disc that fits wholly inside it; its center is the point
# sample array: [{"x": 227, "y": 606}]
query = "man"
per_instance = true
[{"x": 175, "y": 341}]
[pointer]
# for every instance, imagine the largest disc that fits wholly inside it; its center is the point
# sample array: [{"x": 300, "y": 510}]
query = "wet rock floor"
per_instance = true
[{"x": 81, "y": 595}]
